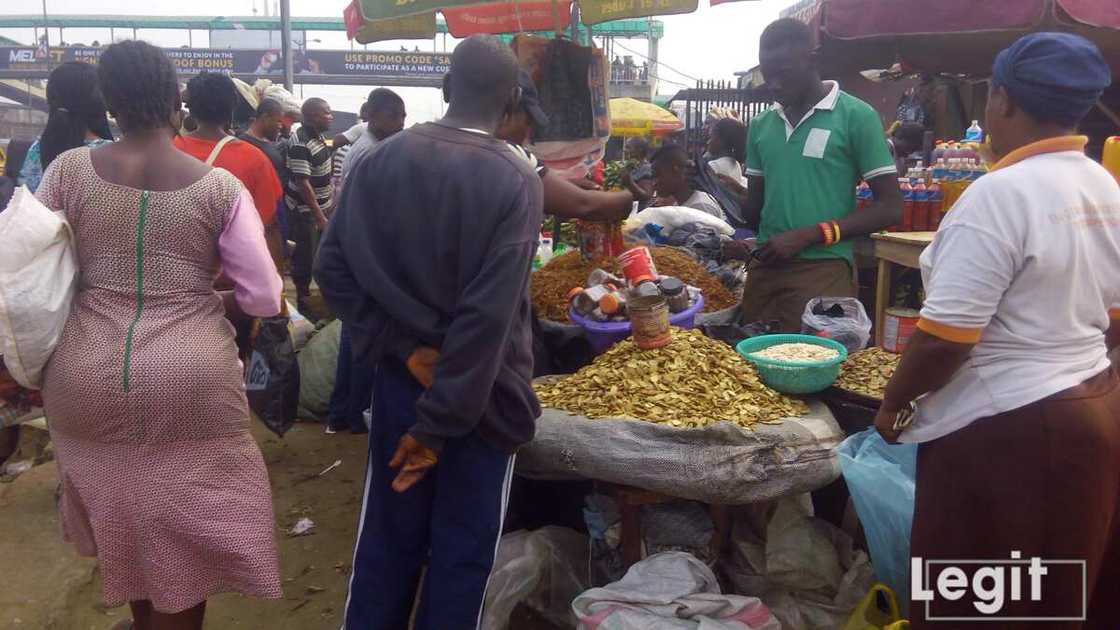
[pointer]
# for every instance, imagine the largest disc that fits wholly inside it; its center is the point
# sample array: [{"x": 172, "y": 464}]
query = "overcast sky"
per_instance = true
[{"x": 712, "y": 43}]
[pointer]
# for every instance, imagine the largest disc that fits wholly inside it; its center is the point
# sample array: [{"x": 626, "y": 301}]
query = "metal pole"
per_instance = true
[
  {"x": 46, "y": 34},
  {"x": 575, "y": 22},
  {"x": 286, "y": 43}
]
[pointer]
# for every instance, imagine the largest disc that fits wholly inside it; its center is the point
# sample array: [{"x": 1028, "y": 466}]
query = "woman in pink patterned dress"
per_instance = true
[{"x": 161, "y": 480}]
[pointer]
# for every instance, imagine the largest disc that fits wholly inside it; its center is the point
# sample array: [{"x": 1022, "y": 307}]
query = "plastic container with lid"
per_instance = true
[
  {"x": 649, "y": 322},
  {"x": 584, "y": 301},
  {"x": 637, "y": 265},
  {"x": 676, "y": 293}
]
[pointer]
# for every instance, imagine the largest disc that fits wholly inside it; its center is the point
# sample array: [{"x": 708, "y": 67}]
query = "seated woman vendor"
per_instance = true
[{"x": 673, "y": 184}]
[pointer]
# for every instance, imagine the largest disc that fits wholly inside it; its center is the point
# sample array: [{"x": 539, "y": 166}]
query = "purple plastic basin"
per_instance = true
[{"x": 603, "y": 335}]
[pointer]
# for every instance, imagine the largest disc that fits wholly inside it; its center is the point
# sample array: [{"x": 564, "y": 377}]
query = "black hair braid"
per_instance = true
[
  {"x": 140, "y": 86},
  {"x": 76, "y": 107},
  {"x": 212, "y": 98}
]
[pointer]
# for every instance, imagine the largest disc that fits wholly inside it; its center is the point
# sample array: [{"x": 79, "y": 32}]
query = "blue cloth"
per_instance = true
[
  {"x": 353, "y": 387},
  {"x": 451, "y": 520},
  {"x": 32, "y": 172},
  {"x": 1054, "y": 77}
]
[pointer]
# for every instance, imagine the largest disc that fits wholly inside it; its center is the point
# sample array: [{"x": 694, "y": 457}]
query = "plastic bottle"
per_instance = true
[
  {"x": 935, "y": 199},
  {"x": 907, "y": 204},
  {"x": 921, "y": 200},
  {"x": 974, "y": 133},
  {"x": 938, "y": 152},
  {"x": 864, "y": 196},
  {"x": 544, "y": 249},
  {"x": 949, "y": 185}
]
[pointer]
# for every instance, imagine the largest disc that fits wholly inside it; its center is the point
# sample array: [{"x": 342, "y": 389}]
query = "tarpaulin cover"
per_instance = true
[
  {"x": 849, "y": 19},
  {"x": 959, "y": 36}
]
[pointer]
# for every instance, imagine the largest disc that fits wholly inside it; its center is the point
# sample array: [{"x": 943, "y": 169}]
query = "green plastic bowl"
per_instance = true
[{"x": 794, "y": 377}]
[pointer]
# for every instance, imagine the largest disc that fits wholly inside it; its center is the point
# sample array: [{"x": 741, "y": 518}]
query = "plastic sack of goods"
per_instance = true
[{"x": 719, "y": 463}]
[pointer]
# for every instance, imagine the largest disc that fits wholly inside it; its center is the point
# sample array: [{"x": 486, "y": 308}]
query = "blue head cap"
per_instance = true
[{"x": 1054, "y": 77}]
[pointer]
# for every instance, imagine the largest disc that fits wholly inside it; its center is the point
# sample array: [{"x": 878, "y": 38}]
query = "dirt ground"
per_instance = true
[{"x": 47, "y": 586}]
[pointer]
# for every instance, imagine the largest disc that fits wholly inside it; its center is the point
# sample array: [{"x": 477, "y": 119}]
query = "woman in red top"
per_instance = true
[{"x": 211, "y": 100}]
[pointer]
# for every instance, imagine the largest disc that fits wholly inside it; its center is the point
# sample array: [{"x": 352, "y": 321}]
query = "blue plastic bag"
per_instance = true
[{"x": 880, "y": 478}]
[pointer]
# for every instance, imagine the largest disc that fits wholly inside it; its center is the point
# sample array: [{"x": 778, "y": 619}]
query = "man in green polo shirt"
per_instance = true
[{"x": 805, "y": 158}]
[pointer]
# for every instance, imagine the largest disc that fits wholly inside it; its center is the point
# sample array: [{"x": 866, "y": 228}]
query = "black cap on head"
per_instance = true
[{"x": 531, "y": 99}]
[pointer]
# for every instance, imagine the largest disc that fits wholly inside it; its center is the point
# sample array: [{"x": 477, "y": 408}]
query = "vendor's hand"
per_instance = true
[
  {"x": 321, "y": 222},
  {"x": 786, "y": 246},
  {"x": 414, "y": 460},
  {"x": 422, "y": 365},
  {"x": 884, "y": 424},
  {"x": 586, "y": 184},
  {"x": 736, "y": 250}
]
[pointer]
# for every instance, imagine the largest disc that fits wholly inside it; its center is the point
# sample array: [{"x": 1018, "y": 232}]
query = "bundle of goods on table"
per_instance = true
[{"x": 929, "y": 192}]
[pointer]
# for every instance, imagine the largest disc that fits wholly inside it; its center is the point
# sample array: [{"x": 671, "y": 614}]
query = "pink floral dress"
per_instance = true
[{"x": 145, "y": 399}]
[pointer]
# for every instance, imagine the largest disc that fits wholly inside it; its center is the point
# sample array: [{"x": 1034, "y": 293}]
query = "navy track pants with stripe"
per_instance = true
[{"x": 450, "y": 521}]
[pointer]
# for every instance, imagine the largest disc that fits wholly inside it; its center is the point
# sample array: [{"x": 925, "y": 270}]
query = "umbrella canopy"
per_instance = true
[
  {"x": 954, "y": 36},
  {"x": 373, "y": 20},
  {"x": 464, "y": 18},
  {"x": 631, "y": 117}
]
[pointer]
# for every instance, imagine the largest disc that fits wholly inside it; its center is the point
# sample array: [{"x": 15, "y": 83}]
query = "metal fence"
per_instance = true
[{"x": 698, "y": 102}]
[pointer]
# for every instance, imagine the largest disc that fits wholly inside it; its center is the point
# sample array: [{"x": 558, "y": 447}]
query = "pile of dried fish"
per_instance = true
[
  {"x": 867, "y": 372},
  {"x": 551, "y": 283},
  {"x": 692, "y": 382},
  {"x": 798, "y": 352}
]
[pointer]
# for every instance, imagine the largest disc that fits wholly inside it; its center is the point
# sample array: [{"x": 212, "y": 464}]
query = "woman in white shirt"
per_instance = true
[
  {"x": 727, "y": 148},
  {"x": 1007, "y": 382}
]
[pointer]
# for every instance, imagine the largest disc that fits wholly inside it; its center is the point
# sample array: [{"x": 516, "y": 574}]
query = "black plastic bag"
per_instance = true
[{"x": 272, "y": 376}]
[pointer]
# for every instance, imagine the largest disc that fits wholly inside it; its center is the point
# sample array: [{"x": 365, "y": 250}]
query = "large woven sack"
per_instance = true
[
  {"x": 317, "y": 363},
  {"x": 720, "y": 463}
]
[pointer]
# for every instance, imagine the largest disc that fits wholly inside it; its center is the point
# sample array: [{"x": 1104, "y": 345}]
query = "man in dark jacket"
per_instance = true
[{"x": 429, "y": 256}]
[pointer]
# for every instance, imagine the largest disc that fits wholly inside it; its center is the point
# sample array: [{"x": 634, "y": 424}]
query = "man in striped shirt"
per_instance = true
[{"x": 309, "y": 191}]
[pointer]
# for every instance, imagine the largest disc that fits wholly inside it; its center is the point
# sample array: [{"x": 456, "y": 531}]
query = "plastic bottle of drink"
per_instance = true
[
  {"x": 937, "y": 194},
  {"x": 864, "y": 197},
  {"x": 907, "y": 204},
  {"x": 938, "y": 152},
  {"x": 949, "y": 184},
  {"x": 921, "y": 200},
  {"x": 974, "y": 133}
]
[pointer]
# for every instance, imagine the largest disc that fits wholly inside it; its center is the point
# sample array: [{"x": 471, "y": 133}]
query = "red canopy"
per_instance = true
[{"x": 961, "y": 36}]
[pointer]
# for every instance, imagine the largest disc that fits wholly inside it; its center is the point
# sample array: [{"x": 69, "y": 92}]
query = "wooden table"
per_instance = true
[{"x": 894, "y": 248}]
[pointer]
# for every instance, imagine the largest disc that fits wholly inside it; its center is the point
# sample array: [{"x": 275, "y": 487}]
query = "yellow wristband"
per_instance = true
[{"x": 836, "y": 231}]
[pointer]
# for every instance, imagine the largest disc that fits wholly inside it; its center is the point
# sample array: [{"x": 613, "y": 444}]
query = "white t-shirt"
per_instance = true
[
  {"x": 1028, "y": 260},
  {"x": 701, "y": 200},
  {"x": 363, "y": 146},
  {"x": 729, "y": 167},
  {"x": 352, "y": 134}
]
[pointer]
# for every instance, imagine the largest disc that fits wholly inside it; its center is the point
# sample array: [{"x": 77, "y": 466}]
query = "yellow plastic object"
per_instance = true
[
  {"x": 868, "y": 615},
  {"x": 1111, "y": 159}
]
